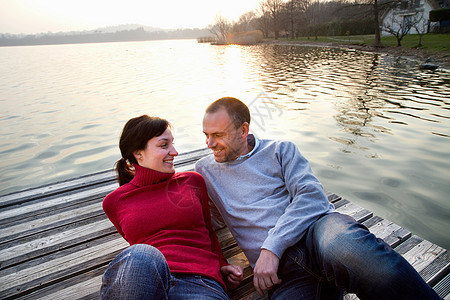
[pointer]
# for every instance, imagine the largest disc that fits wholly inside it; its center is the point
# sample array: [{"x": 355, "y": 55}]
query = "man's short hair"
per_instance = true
[{"x": 236, "y": 109}]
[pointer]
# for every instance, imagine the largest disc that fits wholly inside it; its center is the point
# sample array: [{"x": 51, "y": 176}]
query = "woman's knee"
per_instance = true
[
  {"x": 137, "y": 268},
  {"x": 144, "y": 256},
  {"x": 139, "y": 259},
  {"x": 143, "y": 251}
]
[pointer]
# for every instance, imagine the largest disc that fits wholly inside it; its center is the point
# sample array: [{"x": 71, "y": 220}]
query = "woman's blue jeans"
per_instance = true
[
  {"x": 141, "y": 272},
  {"x": 338, "y": 254}
]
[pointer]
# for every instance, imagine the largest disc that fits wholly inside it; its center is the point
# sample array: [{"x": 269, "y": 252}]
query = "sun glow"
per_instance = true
[{"x": 33, "y": 16}]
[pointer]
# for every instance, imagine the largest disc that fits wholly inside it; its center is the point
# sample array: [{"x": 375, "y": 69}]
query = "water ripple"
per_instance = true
[{"x": 375, "y": 127}]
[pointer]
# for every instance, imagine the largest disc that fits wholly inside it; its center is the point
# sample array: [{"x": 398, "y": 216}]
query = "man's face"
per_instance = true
[{"x": 226, "y": 141}]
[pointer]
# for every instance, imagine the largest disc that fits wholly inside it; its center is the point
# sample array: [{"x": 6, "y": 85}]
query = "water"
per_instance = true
[{"x": 375, "y": 128}]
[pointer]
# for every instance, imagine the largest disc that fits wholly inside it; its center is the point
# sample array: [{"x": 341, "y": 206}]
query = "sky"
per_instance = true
[{"x": 42, "y": 16}]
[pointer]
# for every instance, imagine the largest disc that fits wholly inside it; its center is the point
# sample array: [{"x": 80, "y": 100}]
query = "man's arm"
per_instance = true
[
  {"x": 308, "y": 203},
  {"x": 308, "y": 200}
]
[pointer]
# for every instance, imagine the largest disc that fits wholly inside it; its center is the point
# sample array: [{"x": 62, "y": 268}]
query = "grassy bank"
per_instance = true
[
  {"x": 431, "y": 41},
  {"x": 436, "y": 46}
]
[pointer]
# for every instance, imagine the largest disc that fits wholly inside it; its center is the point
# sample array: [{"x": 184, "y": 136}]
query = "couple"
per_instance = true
[{"x": 266, "y": 193}]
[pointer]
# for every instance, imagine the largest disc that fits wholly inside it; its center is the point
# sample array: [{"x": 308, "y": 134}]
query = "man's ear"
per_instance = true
[{"x": 245, "y": 129}]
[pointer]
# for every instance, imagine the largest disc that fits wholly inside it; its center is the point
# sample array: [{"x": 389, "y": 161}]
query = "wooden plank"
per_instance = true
[
  {"x": 408, "y": 244},
  {"x": 33, "y": 207},
  {"x": 437, "y": 270},
  {"x": 423, "y": 255},
  {"x": 51, "y": 189},
  {"x": 76, "y": 291},
  {"x": 91, "y": 285},
  {"x": 64, "y": 252},
  {"x": 50, "y": 221},
  {"x": 391, "y": 233},
  {"x": 37, "y": 275},
  {"x": 71, "y": 243},
  {"x": 105, "y": 176},
  {"x": 357, "y": 212},
  {"x": 9, "y": 255},
  {"x": 443, "y": 287},
  {"x": 332, "y": 197}
]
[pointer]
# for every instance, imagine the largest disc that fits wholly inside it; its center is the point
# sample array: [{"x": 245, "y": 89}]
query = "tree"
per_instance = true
[
  {"x": 399, "y": 27},
  {"x": 220, "y": 29},
  {"x": 420, "y": 26},
  {"x": 371, "y": 9},
  {"x": 294, "y": 16},
  {"x": 246, "y": 22},
  {"x": 314, "y": 14},
  {"x": 264, "y": 20},
  {"x": 377, "y": 42},
  {"x": 274, "y": 8}
]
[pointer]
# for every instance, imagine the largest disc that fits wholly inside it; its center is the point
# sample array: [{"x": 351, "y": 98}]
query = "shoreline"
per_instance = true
[{"x": 443, "y": 60}]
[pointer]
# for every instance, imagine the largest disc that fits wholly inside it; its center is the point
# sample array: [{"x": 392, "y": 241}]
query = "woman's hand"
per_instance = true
[{"x": 233, "y": 275}]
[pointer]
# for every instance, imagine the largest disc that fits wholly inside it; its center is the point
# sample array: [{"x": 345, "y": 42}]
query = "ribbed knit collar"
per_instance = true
[
  {"x": 253, "y": 142},
  {"x": 145, "y": 176}
]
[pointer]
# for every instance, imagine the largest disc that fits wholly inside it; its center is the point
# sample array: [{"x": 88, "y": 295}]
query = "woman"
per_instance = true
[{"x": 174, "y": 252}]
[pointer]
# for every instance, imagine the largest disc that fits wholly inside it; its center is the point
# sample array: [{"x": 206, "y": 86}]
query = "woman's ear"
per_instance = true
[{"x": 138, "y": 155}]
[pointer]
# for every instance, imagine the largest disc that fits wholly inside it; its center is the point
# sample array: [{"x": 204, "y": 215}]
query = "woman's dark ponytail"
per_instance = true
[
  {"x": 135, "y": 135},
  {"x": 125, "y": 172}
]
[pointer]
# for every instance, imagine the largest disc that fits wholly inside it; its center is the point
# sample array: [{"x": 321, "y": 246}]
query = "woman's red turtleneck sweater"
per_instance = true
[{"x": 170, "y": 212}]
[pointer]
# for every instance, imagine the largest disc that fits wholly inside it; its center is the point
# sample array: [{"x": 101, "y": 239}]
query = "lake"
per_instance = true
[{"x": 374, "y": 127}]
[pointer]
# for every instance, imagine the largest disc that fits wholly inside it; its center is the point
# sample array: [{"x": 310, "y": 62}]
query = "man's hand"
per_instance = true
[
  {"x": 265, "y": 272},
  {"x": 233, "y": 275}
]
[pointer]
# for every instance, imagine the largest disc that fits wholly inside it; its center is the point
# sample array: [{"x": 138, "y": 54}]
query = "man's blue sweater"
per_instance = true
[{"x": 268, "y": 198}]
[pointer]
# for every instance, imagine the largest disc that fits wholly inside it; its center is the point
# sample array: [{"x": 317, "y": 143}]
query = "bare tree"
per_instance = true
[
  {"x": 221, "y": 28},
  {"x": 399, "y": 27},
  {"x": 291, "y": 17},
  {"x": 377, "y": 42},
  {"x": 314, "y": 14},
  {"x": 246, "y": 22},
  {"x": 420, "y": 26},
  {"x": 294, "y": 15},
  {"x": 264, "y": 20},
  {"x": 274, "y": 7}
]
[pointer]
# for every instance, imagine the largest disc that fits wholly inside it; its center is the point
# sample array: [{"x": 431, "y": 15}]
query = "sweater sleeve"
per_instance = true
[
  {"x": 109, "y": 204},
  {"x": 308, "y": 200},
  {"x": 215, "y": 245}
]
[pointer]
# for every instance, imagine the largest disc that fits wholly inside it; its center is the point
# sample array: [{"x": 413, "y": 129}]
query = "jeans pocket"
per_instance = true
[
  {"x": 296, "y": 257},
  {"x": 213, "y": 286}
]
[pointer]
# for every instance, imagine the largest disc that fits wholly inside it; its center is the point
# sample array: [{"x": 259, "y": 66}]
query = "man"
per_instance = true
[{"x": 276, "y": 209}]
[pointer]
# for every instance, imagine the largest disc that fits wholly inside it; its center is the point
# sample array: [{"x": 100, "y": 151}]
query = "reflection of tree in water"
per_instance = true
[
  {"x": 366, "y": 91},
  {"x": 355, "y": 114},
  {"x": 295, "y": 77}
]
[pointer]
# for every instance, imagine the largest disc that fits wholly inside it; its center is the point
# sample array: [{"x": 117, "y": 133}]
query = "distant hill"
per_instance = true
[
  {"x": 111, "y": 29},
  {"x": 120, "y": 33}
]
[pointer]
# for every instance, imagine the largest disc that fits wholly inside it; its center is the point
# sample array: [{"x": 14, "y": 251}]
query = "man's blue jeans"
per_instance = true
[
  {"x": 141, "y": 272},
  {"x": 338, "y": 254}
]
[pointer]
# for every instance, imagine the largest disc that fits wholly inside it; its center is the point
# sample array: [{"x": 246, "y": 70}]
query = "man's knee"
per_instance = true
[
  {"x": 336, "y": 227},
  {"x": 338, "y": 235}
]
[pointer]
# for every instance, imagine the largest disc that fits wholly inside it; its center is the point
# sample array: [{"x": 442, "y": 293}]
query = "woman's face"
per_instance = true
[{"x": 158, "y": 154}]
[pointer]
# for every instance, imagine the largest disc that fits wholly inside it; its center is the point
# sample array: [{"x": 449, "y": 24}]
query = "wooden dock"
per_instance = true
[{"x": 56, "y": 242}]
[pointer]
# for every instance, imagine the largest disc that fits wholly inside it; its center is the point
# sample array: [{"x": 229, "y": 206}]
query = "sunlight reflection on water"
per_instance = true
[{"x": 374, "y": 127}]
